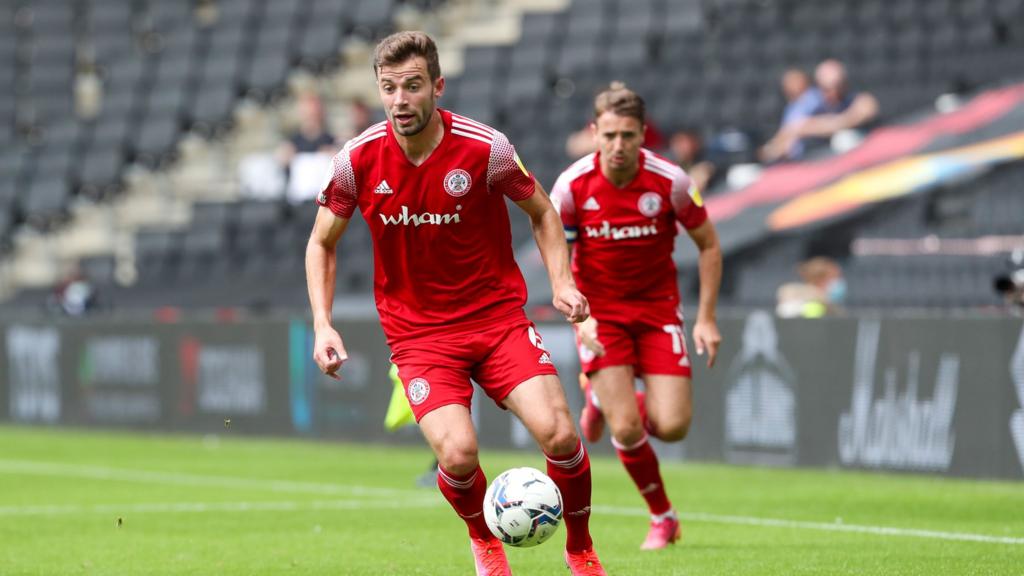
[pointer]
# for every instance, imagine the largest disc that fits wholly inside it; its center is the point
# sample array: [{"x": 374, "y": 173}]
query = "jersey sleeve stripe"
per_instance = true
[
  {"x": 581, "y": 166},
  {"x": 660, "y": 171},
  {"x": 465, "y": 120},
  {"x": 353, "y": 144},
  {"x": 570, "y": 233},
  {"x": 651, "y": 159},
  {"x": 470, "y": 128},
  {"x": 472, "y": 135}
]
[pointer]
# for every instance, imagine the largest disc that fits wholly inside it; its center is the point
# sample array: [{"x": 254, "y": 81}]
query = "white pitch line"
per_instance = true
[
  {"x": 186, "y": 507},
  {"x": 152, "y": 477},
  {"x": 124, "y": 474},
  {"x": 825, "y": 526}
]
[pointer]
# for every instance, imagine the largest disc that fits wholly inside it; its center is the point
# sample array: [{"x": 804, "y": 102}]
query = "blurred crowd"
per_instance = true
[{"x": 827, "y": 113}]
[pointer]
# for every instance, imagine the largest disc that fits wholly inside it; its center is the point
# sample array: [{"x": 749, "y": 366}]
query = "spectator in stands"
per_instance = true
[
  {"x": 88, "y": 88},
  {"x": 360, "y": 117},
  {"x": 796, "y": 89},
  {"x": 687, "y": 149},
  {"x": 821, "y": 291},
  {"x": 307, "y": 153},
  {"x": 1010, "y": 284},
  {"x": 827, "y": 109},
  {"x": 74, "y": 296}
]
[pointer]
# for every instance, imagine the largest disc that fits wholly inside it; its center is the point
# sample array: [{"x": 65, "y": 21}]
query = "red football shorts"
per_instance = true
[
  {"x": 646, "y": 335},
  {"x": 436, "y": 371}
]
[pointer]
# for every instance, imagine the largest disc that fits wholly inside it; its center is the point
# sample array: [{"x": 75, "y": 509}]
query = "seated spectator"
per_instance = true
[
  {"x": 75, "y": 295},
  {"x": 796, "y": 85},
  {"x": 1010, "y": 283},
  {"x": 687, "y": 149},
  {"x": 796, "y": 89},
  {"x": 360, "y": 117},
  {"x": 821, "y": 291},
  {"x": 307, "y": 153},
  {"x": 825, "y": 110}
]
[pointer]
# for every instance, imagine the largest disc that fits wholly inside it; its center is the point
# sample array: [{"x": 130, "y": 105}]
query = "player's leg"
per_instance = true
[
  {"x": 541, "y": 406},
  {"x": 518, "y": 375},
  {"x": 618, "y": 351},
  {"x": 615, "y": 391},
  {"x": 436, "y": 381},
  {"x": 669, "y": 403},
  {"x": 449, "y": 432},
  {"x": 591, "y": 417},
  {"x": 613, "y": 386}
]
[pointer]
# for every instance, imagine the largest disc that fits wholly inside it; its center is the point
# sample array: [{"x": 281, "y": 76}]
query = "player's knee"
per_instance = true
[
  {"x": 674, "y": 433},
  {"x": 458, "y": 459},
  {"x": 674, "y": 429},
  {"x": 561, "y": 440},
  {"x": 628, "y": 432}
]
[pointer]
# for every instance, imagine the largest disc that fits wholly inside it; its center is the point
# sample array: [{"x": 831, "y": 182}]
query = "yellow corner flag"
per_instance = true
[{"x": 399, "y": 412}]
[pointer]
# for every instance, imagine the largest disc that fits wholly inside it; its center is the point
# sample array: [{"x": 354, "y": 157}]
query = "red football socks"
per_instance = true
[
  {"x": 571, "y": 473},
  {"x": 642, "y": 464},
  {"x": 466, "y": 495}
]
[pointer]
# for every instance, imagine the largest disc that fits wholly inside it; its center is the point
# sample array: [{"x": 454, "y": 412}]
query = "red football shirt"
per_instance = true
[
  {"x": 442, "y": 243},
  {"x": 624, "y": 236}
]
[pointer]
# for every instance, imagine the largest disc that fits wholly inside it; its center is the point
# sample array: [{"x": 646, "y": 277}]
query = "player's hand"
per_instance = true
[
  {"x": 706, "y": 337},
  {"x": 572, "y": 304},
  {"x": 329, "y": 351},
  {"x": 588, "y": 336}
]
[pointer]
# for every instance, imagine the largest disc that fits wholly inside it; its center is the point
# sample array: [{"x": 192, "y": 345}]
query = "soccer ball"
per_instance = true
[{"x": 523, "y": 507}]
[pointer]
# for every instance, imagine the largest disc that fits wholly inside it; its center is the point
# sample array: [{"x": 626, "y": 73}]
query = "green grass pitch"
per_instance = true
[{"x": 76, "y": 502}]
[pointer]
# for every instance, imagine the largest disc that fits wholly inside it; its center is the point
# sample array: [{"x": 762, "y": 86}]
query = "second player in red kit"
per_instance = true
[{"x": 621, "y": 208}]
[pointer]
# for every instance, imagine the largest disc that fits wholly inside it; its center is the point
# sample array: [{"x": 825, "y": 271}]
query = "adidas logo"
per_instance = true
[
  {"x": 591, "y": 204},
  {"x": 649, "y": 488},
  {"x": 383, "y": 188},
  {"x": 544, "y": 359}
]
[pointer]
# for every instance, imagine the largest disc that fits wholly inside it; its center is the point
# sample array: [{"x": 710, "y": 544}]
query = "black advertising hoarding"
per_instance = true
[
  {"x": 915, "y": 395},
  {"x": 928, "y": 395}
]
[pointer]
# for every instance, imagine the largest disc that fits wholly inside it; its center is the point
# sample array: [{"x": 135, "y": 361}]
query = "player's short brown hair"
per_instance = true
[
  {"x": 618, "y": 99},
  {"x": 401, "y": 46}
]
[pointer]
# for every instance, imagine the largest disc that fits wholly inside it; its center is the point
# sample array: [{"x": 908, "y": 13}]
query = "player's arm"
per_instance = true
[
  {"x": 550, "y": 238},
  {"x": 862, "y": 110},
  {"x": 321, "y": 262},
  {"x": 337, "y": 200},
  {"x": 709, "y": 263},
  {"x": 690, "y": 212},
  {"x": 565, "y": 204}
]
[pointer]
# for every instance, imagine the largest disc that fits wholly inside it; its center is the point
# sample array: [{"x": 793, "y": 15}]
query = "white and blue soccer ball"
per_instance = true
[{"x": 523, "y": 507}]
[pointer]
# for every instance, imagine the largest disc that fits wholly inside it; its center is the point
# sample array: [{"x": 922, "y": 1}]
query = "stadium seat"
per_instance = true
[
  {"x": 156, "y": 255},
  {"x": 319, "y": 45},
  {"x": 211, "y": 111},
  {"x": 372, "y": 18},
  {"x": 155, "y": 140},
  {"x": 99, "y": 175},
  {"x": 46, "y": 202}
]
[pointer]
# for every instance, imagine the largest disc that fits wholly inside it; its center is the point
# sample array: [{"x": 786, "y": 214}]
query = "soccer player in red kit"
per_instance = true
[
  {"x": 431, "y": 185},
  {"x": 620, "y": 207}
]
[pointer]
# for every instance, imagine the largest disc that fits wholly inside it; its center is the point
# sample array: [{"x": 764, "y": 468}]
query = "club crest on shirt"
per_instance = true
[
  {"x": 419, "y": 389},
  {"x": 649, "y": 204},
  {"x": 457, "y": 182}
]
